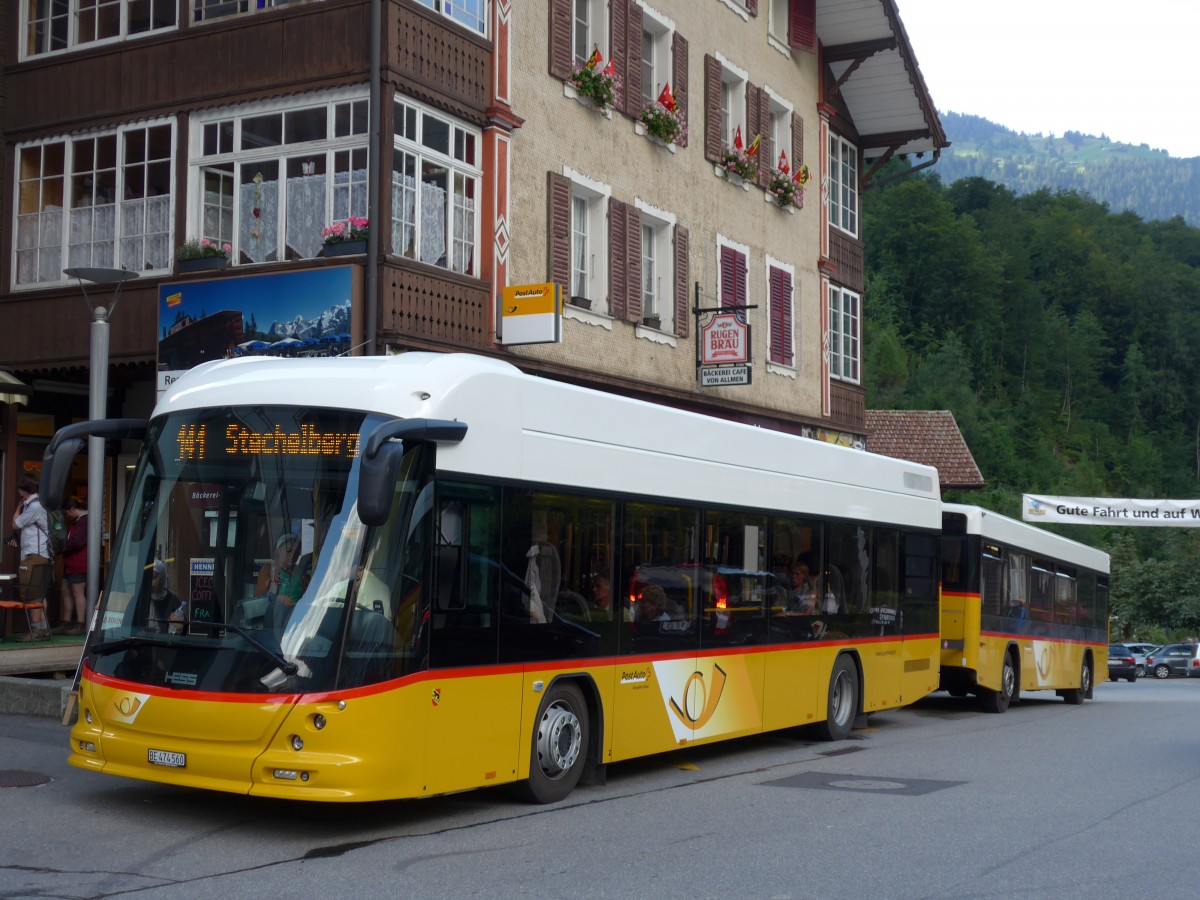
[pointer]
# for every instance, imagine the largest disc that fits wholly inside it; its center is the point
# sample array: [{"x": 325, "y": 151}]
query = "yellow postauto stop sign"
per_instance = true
[{"x": 531, "y": 314}]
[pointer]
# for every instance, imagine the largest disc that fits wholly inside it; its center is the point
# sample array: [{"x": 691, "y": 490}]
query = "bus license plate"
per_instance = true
[{"x": 168, "y": 758}]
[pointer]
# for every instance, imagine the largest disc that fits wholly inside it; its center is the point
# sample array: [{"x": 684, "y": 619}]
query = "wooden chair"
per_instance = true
[{"x": 33, "y": 586}]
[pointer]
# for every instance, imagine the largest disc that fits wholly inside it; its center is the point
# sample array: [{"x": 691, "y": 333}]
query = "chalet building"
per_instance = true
[{"x": 464, "y": 133}]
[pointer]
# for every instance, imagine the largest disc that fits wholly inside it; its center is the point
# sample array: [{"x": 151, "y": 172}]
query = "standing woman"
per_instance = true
[
  {"x": 33, "y": 540},
  {"x": 75, "y": 559}
]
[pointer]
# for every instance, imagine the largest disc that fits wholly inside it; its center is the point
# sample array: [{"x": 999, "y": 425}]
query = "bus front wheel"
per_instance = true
[
  {"x": 559, "y": 745},
  {"x": 842, "y": 706},
  {"x": 998, "y": 701}
]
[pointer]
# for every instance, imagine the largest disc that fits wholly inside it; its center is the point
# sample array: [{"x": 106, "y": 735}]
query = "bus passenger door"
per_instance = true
[{"x": 475, "y": 712}]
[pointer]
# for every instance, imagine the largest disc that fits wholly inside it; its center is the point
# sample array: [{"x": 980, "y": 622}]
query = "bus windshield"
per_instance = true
[{"x": 239, "y": 560}]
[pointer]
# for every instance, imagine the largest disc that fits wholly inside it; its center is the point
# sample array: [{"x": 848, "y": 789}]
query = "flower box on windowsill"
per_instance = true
[
  {"x": 581, "y": 302},
  {"x": 202, "y": 264},
  {"x": 652, "y": 322},
  {"x": 640, "y": 128},
  {"x": 790, "y": 209},
  {"x": 732, "y": 177},
  {"x": 343, "y": 248},
  {"x": 569, "y": 91}
]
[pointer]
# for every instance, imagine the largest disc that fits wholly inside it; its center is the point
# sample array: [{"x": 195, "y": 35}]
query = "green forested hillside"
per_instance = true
[
  {"x": 1066, "y": 340},
  {"x": 1126, "y": 177}
]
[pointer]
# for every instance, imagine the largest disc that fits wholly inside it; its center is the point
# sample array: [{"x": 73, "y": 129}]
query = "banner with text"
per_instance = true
[{"x": 1111, "y": 511}]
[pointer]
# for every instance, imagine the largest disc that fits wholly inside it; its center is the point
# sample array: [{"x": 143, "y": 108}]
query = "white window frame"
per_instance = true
[
  {"x": 217, "y": 138},
  {"x": 661, "y": 33},
  {"x": 464, "y": 186},
  {"x": 845, "y": 334},
  {"x": 67, "y": 21},
  {"x": 593, "y": 229},
  {"x": 842, "y": 171},
  {"x": 662, "y": 225},
  {"x": 779, "y": 129},
  {"x": 54, "y": 225},
  {"x": 733, "y": 102},
  {"x": 777, "y": 22},
  {"x": 215, "y": 10},
  {"x": 470, "y": 14},
  {"x": 589, "y": 29}
]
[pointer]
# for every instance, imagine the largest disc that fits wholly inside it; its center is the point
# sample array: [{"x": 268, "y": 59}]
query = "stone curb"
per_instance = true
[{"x": 34, "y": 696}]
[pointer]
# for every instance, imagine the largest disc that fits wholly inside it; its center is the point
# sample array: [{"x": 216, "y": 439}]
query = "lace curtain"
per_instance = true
[
  {"x": 145, "y": 239},
  {"x": 433, "y": 218},
  {"x": 304, "y": 216}
]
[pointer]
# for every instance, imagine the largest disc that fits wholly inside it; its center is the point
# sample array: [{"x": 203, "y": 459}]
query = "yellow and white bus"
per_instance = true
[
  {"x": 404, "y": 576},
  {"x": 1022, "y": 609}
]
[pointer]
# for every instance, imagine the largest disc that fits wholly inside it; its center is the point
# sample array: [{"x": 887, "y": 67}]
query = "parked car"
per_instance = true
[
  {"x": 1120, "y": 663},
  {"x": 1194, "y": 665},
  {"x": 1140, "y": 652},
  {"x": 1171, "y": 659}
]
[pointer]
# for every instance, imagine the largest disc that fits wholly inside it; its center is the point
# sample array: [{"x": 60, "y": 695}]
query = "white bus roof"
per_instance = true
[
  {"x": 537, "y": 430},
  {"x": 1023, "y": 536}
]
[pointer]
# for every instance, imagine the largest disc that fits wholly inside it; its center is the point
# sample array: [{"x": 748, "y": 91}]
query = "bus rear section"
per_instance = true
[{"x": 1022, "y": 610}]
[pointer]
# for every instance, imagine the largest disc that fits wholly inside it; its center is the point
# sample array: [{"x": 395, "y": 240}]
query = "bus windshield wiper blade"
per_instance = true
[
  {"x": 124, "y": 643},
  {"x": 285, "y": 665}
]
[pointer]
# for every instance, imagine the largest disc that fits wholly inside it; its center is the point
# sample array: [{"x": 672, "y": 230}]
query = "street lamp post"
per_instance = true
[{"x": 97, "y": 409}]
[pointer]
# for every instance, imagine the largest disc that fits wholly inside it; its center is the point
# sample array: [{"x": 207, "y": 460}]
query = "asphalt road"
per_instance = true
[{"x": 935, "y": 801}]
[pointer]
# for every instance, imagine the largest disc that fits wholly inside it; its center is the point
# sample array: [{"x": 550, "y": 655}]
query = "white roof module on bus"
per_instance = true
[{"x": 532, "y": 429}]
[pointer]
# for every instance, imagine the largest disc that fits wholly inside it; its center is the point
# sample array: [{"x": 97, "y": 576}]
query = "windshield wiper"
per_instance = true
[
  {"x": 106, "y": 647},
  {"x": 285, "y": 665}
]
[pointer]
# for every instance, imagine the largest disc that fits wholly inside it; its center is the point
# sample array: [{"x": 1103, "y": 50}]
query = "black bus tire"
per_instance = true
[
  {"x": 1076, "y": 696},
  {"x": 841, "y": 708},
  {"x": 998, "y": 701},
  {"x": 559, "y": 745}
]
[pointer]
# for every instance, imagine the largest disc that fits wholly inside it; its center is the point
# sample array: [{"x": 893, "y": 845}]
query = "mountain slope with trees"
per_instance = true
[
  {"x": 1064, "y": 339},
  {"x": 1139, "y": 178}
]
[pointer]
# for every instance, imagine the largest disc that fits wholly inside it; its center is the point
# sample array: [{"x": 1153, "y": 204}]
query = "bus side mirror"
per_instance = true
[
  {"x": 68, "y": 441},
  {"x": 379, "y": 463},
  {"x": 377, "y": 483}
]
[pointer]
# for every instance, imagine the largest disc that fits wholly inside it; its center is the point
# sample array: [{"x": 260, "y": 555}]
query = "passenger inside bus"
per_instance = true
[
  {"x": 803, "y": 597},
  {"x": 280, "y": 581}
]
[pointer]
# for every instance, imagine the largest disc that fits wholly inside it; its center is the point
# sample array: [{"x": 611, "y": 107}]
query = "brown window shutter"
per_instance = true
[
  {"x": 758, "y": 120},
  {"x": 618, "y": 286},
  {"x": 683, "y": 311},
  {"x": 558, "y": 230},
  {"x": 752, "y": 7},
  {"x": 633, "y": 59},
  {"x": 797, "y": 142},
  {"x": 633, "y": 263},
  {"x": 712, "y": 109},
  {"x": 560, "y": 39},
  {"x": 618, "y": 42},
  {"x": 679, "y": 82},
  {"x": 802, "y": 24},
  {"x": 780, "y": 285},
  {"x": 740, "y": 285},
  {"x": 733, "y": 277},
  {"x": 754, "y": 125}
]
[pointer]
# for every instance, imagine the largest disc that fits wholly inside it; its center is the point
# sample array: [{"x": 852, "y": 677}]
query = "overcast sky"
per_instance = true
[{"x": 1124, "y": 69}]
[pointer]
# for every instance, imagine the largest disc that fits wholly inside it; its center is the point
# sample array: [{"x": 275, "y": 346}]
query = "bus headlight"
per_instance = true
[
  {"x": 297, "y": 742},
  {"x": 318, "y": 721}
]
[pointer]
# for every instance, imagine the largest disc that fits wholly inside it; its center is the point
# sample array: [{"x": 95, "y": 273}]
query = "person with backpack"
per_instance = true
[
  {"x": 33, "y": 541},
  {"x": 75, "y": 556}
]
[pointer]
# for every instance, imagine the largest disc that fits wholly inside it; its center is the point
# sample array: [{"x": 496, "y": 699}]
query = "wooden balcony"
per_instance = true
[{"x": 433, "y": 307}]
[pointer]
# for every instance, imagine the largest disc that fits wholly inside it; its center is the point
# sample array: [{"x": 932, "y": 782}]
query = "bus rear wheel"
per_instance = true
[
  {"x": 1076, "y": 696},
  {"x": 842, "y": 706},
  {"x": 559, "y": 745},
  {"x": 998, "y": 701}
]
